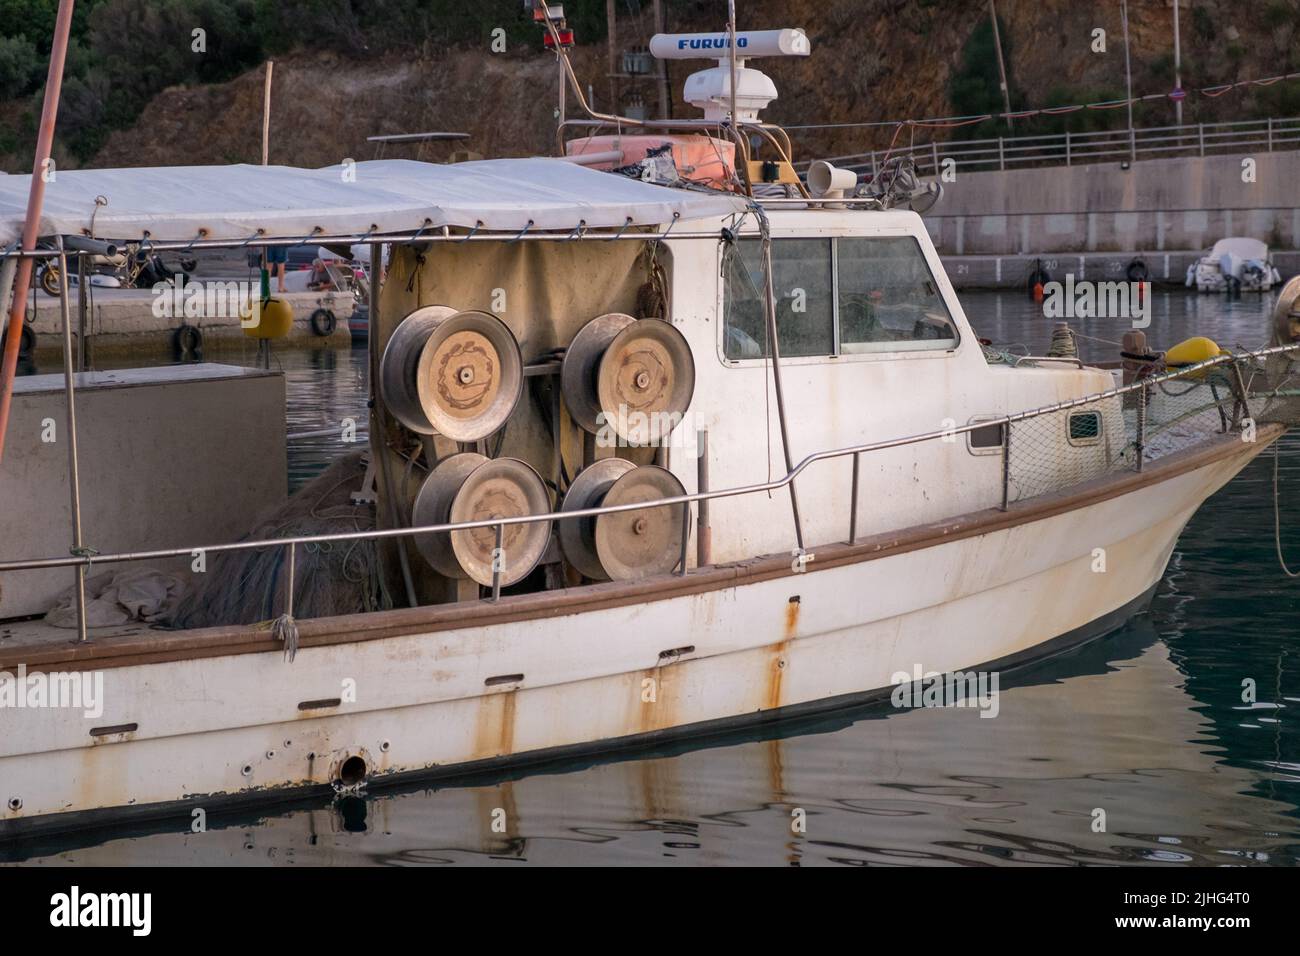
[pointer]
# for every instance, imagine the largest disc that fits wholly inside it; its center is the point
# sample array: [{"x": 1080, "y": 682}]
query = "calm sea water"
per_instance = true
[{"x": 1147, "y": 725}]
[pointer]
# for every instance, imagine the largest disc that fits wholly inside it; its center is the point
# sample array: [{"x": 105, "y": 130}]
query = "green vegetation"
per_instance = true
[
  {"x": 123, "y": 52},
  {"x": 976, "y": 88}
]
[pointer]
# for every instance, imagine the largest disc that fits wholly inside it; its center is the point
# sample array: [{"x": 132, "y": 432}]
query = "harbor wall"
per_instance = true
[
  {"x": 1013, "y": 271},
  {"x": 123, "y": 319},
  {"x": 1175, "y": 206}
]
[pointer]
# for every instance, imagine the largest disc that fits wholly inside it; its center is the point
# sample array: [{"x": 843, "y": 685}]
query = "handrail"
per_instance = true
[
  {"x": 687, "y": 499},
  {"x": 1087, "y": 146}
]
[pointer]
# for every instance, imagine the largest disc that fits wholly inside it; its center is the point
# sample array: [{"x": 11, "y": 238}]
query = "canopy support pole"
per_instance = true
[
  {"x": 35, "y": 203},
  {"x": 74, "y": 469},
  {"x": 774, "y": 350}
]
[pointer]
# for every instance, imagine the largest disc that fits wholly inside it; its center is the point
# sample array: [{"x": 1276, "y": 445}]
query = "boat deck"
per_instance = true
[{"x": 36, "y": 633}]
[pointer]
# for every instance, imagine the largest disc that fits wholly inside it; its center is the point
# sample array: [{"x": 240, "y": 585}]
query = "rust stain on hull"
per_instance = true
[
  {"x": 792, "y": 617},
  {"x": 495, "y": 732},
  {"x": 660, "y": 712},
  {"x": 776, "y": 665},
  {"x": 779, "y": 659}
]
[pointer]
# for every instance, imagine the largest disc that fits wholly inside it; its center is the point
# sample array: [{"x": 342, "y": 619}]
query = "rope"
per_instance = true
[
  {"x": 1277, "y": 519},
  {"x": 1063, "y": 344},
  {"x": 284, "y": 628}
]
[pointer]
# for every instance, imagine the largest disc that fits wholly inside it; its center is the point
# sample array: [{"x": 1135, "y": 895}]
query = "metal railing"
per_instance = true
[
  {"x": 1068, "y": 149},
  {"x": 84, "y": 560}
]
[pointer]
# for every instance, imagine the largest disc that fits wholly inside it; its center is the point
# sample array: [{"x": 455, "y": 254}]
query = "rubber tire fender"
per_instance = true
[
  {"x": 324, "y": 322},
  {"x": 187, "y": 343}
]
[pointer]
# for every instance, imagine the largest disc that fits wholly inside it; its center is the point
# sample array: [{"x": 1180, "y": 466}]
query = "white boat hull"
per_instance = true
[{"x": 209, "y": 730}]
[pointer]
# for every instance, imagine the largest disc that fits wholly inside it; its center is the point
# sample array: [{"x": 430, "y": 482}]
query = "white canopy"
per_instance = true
[
  {"x": 1241, "y": 247},
  {"x": 174, "y": 203}
]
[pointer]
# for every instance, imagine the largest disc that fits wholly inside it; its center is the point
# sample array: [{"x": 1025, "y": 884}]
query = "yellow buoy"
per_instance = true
[
  {"x": 1192, "y": 351},
  {"x": 266, "y": 318}
]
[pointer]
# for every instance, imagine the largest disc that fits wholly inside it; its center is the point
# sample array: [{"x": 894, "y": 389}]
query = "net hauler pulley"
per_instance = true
[
  {"x": 398, "y": 378},
  {"x": 710, "y": 90},
  {"x": 623, "y": 545},
  {"x": 1286, "y": 314},
  {"x": 459, "y": 374},
  {"x": 470, "y": 487},
  {"x": 634, "y": 376}
]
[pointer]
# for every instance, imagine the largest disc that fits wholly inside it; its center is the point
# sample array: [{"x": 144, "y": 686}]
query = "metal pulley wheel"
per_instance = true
[
  {"x": 578, "y": 535},
  {"x": 459, "y": 374},
  {"x": 1286, "y": 314},
  {"x": 470, "y": 376},
  {"x": 433, "y": 505},
  {"x": 397, "y": 369},
  {"x": 582, "y": 362},
  {"x": 640, "y": 373},
  {"x": 646, "y": 372},
  {"x": 469, "y": 487},
  {"x": 624, "y": 545}
]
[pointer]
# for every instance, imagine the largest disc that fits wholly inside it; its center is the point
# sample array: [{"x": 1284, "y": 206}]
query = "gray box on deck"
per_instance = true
[{"x": 169, "y": 457}]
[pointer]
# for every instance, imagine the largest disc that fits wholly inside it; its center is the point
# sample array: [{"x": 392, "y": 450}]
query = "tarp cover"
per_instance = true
[{"x": 173, "y": 203}]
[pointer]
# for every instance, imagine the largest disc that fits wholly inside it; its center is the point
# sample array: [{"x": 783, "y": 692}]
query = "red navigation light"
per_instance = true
[{"x": 566, "y": 38}]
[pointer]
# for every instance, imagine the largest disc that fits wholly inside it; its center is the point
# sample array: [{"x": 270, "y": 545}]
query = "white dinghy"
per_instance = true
[{"x": 1237, "y": 264}]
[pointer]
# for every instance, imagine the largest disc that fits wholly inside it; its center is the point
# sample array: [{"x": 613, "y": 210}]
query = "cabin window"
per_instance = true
[
  {"x": 987, "y": 439},
  {"x": 834, "y": 296},
  {"x": 802, "y": 285},
  {"x": 888, "y": 298},
  {"x": 1085, "y": 428}
]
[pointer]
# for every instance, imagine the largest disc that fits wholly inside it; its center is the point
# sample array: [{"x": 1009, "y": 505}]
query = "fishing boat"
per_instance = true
[{"x": 664, "y": 441}]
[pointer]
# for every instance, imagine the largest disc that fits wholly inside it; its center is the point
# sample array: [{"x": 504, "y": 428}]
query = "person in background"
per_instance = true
[{"x": 276, "y": 257}]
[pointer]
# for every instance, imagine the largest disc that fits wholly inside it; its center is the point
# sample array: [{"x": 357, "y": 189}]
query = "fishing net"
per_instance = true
[
  {"x": 331, "y": 578},
  {"x": 1056, "y": 450}
]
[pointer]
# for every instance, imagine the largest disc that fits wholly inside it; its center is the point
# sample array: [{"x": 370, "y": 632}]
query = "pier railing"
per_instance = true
[
  {"x": 1041, "y": 451},
  {"x": 1071, "y": 149}
]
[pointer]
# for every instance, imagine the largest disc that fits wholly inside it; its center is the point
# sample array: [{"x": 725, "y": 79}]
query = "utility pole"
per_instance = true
[
  {"x": 611, "y": 18},
  {"x": 1128, "y": 83},
  {"x": 266, "y": 112},
  {"x": 1178, "y": 74},
  {"x": 662, "y": 66},
  {"x": 1002, "y": 68}
]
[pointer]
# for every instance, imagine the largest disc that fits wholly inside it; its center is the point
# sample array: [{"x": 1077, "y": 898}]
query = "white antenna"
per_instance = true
[{"x": 711, "y": 90}]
